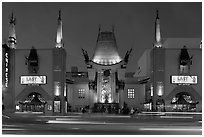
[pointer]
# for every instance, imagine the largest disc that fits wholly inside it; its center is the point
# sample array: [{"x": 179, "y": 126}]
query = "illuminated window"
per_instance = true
[
  {"x": 81, "y": 93},
  {"x": 131, "y": 93}
]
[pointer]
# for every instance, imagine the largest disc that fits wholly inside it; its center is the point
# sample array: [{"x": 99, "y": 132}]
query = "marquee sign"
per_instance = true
[
  {"x": 184, "y": 79},
  {"x": 33, "y": 79}
]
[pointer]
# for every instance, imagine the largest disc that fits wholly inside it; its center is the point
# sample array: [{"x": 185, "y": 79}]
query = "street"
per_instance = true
[{"x": 102, "y": 125}]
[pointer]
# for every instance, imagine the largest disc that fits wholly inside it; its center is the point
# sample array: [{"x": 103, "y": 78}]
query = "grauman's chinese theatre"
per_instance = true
[
  {"x": 34, "y": 78},
  {"x": 167, "y": 79}
]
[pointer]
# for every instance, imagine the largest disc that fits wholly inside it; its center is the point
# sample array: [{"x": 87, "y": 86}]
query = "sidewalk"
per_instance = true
[
  {"x": 37, "y": 117},
  {"x": 23, "y": 117},
  {"x": 174, "y": 115}
]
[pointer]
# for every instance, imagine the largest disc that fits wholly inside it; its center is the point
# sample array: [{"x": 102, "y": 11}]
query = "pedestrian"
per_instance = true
[
  {"x": 3, "y": 108},
  {"x": 132, "y": 111},
  {"x": 83, "y": 110}
]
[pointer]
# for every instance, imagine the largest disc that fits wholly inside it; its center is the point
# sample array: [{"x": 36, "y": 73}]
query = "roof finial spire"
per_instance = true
[
  {"x": 99, "y": 28},
  {"x": 12, "y": 19},
  {"x": 157, "y": 14},
  {"x": 59, "y": 39},
  {"x": 59, "y": 17},
  {"x": 12, "y": 33},
  {"x": 158, "y": 38}
]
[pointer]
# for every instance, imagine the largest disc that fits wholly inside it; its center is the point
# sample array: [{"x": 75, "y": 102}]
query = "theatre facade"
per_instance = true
[
  {"x": 174, "y": 66},
  {"x": 37, "y": 80},
  {"x": 34, "y": 79}
]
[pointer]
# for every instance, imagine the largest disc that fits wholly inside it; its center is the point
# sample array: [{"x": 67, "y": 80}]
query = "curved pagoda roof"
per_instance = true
[{"x": 106, "y": 51}]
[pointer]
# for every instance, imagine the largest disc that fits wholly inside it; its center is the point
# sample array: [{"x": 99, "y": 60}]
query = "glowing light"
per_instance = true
[
  {"x": 59, "y": 37},
  {"x": 109, "y": 99},
  {"x": 57, "y": 88},
  {"x": 65, "y": 90},
  {"x": 56, "y": 106},
  {"x": 59, "y": 43},
  {"x": 59, "y": 32},
  {"x": 171, "y": 129},
  {"x": 176, "y": 117},
  {"x": 106, "y": 90},
  {"x": 106, "y": 54},
  {"x": 160, "y": 88},
  {"x": 114, "y": 61},
  {"x": 95, "y": 98},
  {"x": 151, "y": 90},
  {"x": 49, "y": 107},
  {"x": 17, "y": 107},
  {"x": 106, "y": 61}
]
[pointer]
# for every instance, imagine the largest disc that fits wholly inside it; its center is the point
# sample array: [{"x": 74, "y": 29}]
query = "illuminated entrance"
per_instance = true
[
  {"x": 106, "y": 91},
  {"x": 183, "y": 102},
  {"x": 106, "y": 87},
  {"x": 106, "y": 72},
  {"x": 106, "y": 96},
  {"x": 33, "y": 103}
]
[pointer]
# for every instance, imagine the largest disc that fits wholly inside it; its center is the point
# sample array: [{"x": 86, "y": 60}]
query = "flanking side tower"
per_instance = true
[
  {"x": 158, "y": 68},
  {"x": 59, "y": 72},
  {"x": 9, "y": 93}
]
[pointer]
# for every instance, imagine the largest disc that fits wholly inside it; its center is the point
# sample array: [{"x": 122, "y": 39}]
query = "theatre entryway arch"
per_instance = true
[
  {"x": 183, "y": 101},
  {"x": 34, "y": 102}
]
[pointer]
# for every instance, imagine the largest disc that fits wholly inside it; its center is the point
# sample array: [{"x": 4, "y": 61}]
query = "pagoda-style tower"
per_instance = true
[
  {"x": 106, "y": 70},
  {"x": 59, "y": 72},
  {"x": 158, "y": 68},
  {"x": 106, "y": 52}
]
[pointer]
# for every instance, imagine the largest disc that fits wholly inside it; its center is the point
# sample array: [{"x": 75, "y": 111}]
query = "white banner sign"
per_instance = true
[
  {"x": 184, "y": 79},
  {"x": 33, "y": 79}
]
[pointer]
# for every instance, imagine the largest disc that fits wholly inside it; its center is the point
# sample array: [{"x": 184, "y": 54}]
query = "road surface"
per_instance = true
[{"x": 102, "y": 125}]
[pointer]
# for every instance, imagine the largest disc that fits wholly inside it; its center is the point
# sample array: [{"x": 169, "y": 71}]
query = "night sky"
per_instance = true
[{"x": 134, "y": 25}]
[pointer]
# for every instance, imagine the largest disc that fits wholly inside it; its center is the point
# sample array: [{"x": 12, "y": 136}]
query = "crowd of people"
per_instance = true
[{"x": 111, "y": 109}]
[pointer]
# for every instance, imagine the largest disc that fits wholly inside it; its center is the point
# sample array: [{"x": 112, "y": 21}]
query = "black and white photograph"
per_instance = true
[{"x": 101, "y": 68}]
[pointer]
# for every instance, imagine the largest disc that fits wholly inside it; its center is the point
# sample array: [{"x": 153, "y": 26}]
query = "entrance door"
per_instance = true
[
  {"x": 160, "y": 105},
  {"x": 33, "y": 103},
  {"x": 106, "y": 86},
  {"x": 183, "y": 102}
]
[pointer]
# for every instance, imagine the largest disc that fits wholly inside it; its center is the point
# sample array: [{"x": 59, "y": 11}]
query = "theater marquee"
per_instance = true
[
  {"x": 184, "y": 79},
  {"x": 33, "y": 79}
]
